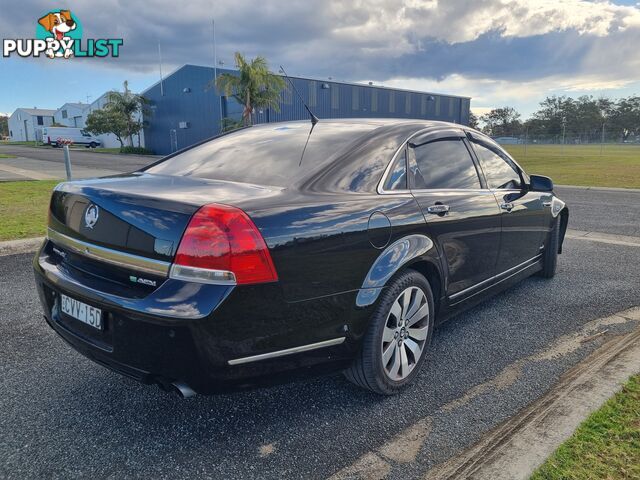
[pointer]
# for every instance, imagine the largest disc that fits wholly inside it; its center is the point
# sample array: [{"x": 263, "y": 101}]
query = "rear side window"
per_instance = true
[
  {"x": 444, "y": 164},
  {"x": 498, "y": 169},
  {"x": 397, "y": 177}
]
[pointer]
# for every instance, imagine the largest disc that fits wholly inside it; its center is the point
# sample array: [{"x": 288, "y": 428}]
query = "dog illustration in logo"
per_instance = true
[{"x": 58, "y": 24}]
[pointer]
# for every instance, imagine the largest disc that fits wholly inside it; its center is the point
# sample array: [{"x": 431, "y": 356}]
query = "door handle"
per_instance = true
[
  {"x": 438, "y": 209},
  {"x": 508, "y": 206}
]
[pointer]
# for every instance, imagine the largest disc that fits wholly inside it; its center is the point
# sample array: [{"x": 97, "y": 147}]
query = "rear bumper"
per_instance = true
[{"x": 212, "y": 337}]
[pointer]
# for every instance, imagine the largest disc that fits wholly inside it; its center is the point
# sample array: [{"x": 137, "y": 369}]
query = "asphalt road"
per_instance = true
[
  {"x": 82, "y": 157},
  {"x": 64, "y": 417}
]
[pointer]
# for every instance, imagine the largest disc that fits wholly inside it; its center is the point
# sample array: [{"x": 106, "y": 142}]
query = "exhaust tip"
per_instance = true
[{"x": 183, "y": 390}]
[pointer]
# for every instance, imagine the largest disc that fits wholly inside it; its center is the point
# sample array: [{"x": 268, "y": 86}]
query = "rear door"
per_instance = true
[
  {"x": 462, "y": 215},
  {"x": 524, "y": 213}
]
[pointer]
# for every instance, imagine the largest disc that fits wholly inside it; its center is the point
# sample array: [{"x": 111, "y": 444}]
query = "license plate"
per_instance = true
[{"x": 81, "y": 311}]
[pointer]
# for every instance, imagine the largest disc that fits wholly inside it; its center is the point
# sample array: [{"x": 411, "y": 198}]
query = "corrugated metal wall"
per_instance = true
[{"x": 188, "y": 110}]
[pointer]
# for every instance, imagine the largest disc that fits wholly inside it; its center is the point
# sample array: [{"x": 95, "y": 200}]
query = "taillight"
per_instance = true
[
  {"x": 49, "y": 140},
  {"x": 222, "y": 245}
]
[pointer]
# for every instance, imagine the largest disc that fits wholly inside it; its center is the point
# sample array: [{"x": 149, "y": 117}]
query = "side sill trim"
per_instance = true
[
  {"x": 108, "y": 255},
  {"x": 500, "y": 277},
  {"x": 288, "y": 351}
]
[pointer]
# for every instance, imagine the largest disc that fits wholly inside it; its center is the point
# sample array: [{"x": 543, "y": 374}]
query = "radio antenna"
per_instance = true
[{"x": 314, "y": 119}]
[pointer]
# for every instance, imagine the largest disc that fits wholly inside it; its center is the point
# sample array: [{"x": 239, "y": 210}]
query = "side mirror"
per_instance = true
[{"x": 539, "y": 183}]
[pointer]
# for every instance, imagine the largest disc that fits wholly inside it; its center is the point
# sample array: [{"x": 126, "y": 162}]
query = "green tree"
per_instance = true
[
  {"x": 122, "y": 115},
  {"x": 473, "y": 120},
  {"x": 625, "y": 118},
  {"x": 4, "y": 126},
  {"x": 253, "y": 87},
  {"x": 502, "y": 122},
  {"x": 107, "y": 120}
]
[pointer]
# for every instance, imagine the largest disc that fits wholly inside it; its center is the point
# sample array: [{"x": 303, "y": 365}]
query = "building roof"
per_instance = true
[
  {"x": 364, "y": 85},
  {"x": 74, "y": 104},
  {"x": 38, "y": 111}
]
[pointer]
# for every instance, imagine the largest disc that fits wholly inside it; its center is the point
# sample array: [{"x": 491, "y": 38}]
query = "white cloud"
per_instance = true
[{"x": 488, "y": 93}]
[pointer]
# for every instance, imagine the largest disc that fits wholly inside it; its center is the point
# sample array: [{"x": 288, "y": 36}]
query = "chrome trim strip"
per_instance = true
[
  {"x": 514, "y": 270},
  {"x": 107, "y": 255},
  {"x": 288, "y": 351}
]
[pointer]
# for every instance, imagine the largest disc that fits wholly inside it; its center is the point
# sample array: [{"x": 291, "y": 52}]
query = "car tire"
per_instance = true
[
  {"x": 390, "y": 328},
  {"x": 93, "y": 144},
  {"x": 550, "y": 255}
]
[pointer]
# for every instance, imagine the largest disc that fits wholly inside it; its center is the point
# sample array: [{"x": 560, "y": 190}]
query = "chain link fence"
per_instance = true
[{"x": 567, "y": 142}]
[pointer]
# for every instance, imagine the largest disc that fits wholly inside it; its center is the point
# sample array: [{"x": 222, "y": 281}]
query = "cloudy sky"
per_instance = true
[{"x": 498, "y": 52}]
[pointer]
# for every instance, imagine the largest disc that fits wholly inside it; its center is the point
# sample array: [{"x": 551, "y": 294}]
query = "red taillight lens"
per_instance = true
[{"x": 224, "y": 238}]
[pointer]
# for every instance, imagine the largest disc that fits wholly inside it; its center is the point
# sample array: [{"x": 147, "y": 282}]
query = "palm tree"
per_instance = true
[
  {"x": 254, "y": 86},
  {"x": 129, "y": 105}
]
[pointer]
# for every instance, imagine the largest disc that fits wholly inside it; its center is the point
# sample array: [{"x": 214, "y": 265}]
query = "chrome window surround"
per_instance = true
[
  {"x": 403, "y": 147},
  {"x": 141, "y": 264},
  {"x": 287, "y": 351}
]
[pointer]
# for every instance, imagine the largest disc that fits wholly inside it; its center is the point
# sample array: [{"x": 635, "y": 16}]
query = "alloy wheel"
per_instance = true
[{"x": 405, "y": 333}]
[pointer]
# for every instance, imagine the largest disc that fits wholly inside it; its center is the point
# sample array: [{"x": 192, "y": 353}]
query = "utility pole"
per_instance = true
[
  {"x": 215, "y": 74},
  {"x": 602, "y": 140},
  {"x": 160, "y": 64},
  {"x": 564, "y": 126}
]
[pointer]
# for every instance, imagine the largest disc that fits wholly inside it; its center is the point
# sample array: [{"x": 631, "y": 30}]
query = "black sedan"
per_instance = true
[{"x": 268, "y": 254}]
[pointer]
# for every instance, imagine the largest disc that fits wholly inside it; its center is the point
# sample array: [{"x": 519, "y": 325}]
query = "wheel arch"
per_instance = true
[{"x": 412, "y": 251}]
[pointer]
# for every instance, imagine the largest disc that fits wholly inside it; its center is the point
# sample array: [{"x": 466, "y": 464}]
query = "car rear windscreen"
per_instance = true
[{"x": 264, "y": 155}]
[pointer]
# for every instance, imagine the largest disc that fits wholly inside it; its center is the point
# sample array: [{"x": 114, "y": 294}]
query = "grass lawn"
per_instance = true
[
  {"x": 106, "y": 150},
  {"x": 28, "y": 144},
  {"x": 23, "y": 208},
  {"x": 618, "y": 166},
  {"x": 4, "y": 155},
  {"x": 605, "y": 446}
]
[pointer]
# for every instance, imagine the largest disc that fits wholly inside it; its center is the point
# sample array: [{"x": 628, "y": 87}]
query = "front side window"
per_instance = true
[
  {"x": 397, "y": 177},
  {"x": 443, "y": 164},
  {"x": 498, "y": 170}
]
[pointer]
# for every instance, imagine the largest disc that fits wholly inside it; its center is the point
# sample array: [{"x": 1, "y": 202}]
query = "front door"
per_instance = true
[
  {"x": 462, "y": 215},
  {"x": 524, "y": 213}
]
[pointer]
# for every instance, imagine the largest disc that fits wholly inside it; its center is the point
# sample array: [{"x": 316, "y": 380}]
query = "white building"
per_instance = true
[
  {"x": 109, "y": 140},
  {"x": 25, "y": 122},
  {"x": 71, "y": 115}
]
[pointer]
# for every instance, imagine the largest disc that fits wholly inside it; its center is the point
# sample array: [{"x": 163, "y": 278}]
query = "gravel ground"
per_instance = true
[{"x": 64, "y": 417}]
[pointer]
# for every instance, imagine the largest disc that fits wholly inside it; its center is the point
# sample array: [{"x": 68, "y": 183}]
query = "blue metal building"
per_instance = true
[{"x": 185, "y": 109}]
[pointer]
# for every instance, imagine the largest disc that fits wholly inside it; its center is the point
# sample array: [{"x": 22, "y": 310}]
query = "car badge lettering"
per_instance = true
[{"x": 91, "y": 215}]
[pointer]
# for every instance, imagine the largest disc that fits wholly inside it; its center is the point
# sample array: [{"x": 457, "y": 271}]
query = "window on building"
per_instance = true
[
  {"x": 392, "y": 102},
  {"x": 374, "y": 100},
  {"x": 64, "y": 114},
  {"x": 39, "y": 120},
  {"x": 443, "y": 163},
  {"x": 313, "y": 93},
  {"x": 355, "y": 98},
  {"x": 437, "y": 109},
  {"x": 335, "y": 97},
  {"x": 407, "y": 103}
]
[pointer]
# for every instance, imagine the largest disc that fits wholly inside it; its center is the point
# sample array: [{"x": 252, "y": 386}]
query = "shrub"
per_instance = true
[{"x": 136, "y": 150}]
